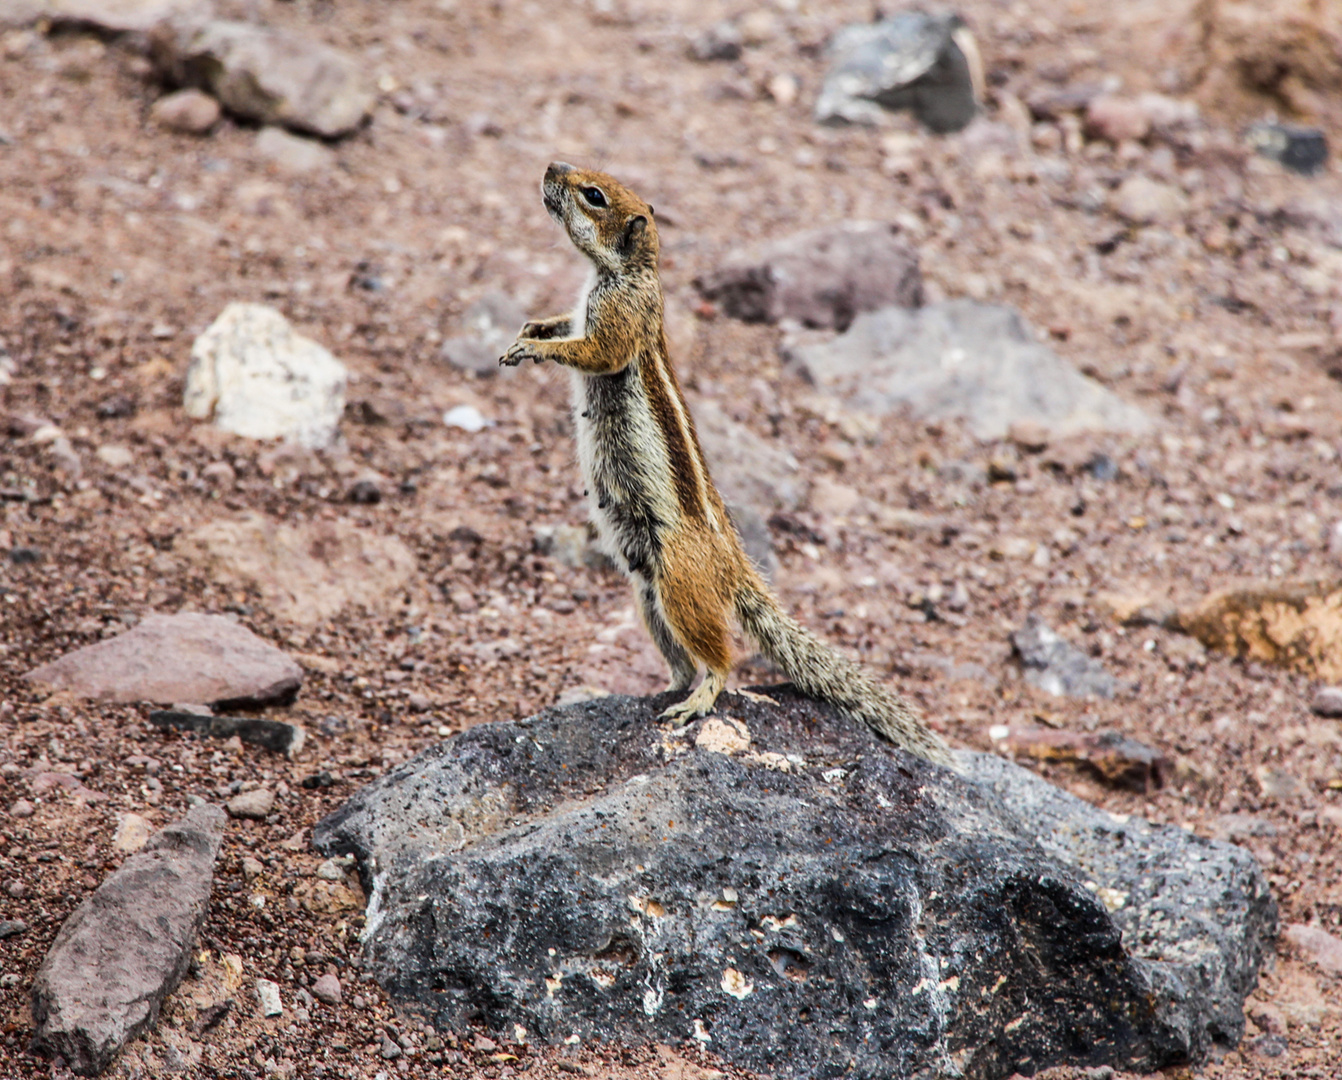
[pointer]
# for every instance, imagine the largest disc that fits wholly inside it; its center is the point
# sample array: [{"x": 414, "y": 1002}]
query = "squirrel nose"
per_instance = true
[{"x": 558, "y": 168}]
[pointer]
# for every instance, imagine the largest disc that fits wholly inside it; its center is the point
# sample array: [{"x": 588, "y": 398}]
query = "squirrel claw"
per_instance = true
[{"x": 514, "y": 356}]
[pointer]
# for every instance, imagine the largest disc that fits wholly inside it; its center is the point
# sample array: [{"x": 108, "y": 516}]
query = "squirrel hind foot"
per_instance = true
[{"x": 699, "y": 703}]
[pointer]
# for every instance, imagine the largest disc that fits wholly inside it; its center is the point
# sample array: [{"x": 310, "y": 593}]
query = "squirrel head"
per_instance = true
[{"x": 605, "y": 220}]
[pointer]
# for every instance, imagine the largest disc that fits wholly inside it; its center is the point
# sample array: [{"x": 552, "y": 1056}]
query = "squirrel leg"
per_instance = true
[
  {"x": 697, "y": 616},
  {"x": 681, "y": 663},
  {"x": 592, "y": 355},
  {"x": 556, "y": 326}
]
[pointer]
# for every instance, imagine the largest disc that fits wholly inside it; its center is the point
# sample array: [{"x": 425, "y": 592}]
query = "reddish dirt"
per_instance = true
[{"x": 119, "y": 243}]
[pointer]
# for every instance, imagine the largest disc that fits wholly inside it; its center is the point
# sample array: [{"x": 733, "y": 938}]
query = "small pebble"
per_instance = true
[
  {"x": 465, "y": 417},
  {"x": 1303, "y": 150},
  {"x": 1328, "y": 702},
  {"x": 268, "y": 994},
  {"x": 365, "y": 492},
  {"x": 251, "y": 804},
  {"x": 327, "y": 989},
  {"x": 390, "y": 1051},
  {"x": 331, "y": 870},
  {"x": 12, "y": 928},
  {"x": 115, "y": 456},
  {"x": 252, "y": 868},
  {"x": 191, "y": 112},
  {"x": 292, "y": 153},
  {"x": 22, "y": 809}
]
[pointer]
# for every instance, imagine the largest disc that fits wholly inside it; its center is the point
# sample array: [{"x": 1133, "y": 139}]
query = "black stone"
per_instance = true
[
  {"x": 1302, "y": 150},
  {"x": 909, "y": 61},
  {"x": 587, "y": 871},
  {"x": 364, "y": 493},
  {"x": 271, "y": 734},
  {"x": 1102, "y": 467}
]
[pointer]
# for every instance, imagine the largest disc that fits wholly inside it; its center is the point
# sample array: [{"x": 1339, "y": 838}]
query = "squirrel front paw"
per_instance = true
[{"x": 517, "y": 352}]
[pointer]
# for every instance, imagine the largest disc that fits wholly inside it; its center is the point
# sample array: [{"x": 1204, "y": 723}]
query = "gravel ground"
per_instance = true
[{"x": 120, "y": 242}]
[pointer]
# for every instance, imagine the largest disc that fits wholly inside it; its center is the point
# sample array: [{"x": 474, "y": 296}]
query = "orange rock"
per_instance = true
[{"x": 1290, "y": 624}]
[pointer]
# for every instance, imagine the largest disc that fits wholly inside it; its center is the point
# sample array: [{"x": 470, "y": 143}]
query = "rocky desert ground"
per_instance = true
[{"x": 430, "y": 574}]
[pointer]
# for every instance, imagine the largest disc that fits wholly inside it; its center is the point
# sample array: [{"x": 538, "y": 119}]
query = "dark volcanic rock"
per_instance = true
[
  {"x": 274, "y": 735},
  {"x": 821, "y": 277},
  {"x": 1301, "y": 149},
  {"x": 127, "y": 946},
  {"x": 169, "y": 658},
  {"x": 928, "y": 64},
  {"x": 818, "y": 904}
]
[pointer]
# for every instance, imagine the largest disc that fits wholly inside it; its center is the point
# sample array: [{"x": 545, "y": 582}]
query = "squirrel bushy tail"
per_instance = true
[{"x": 820, "y": 672}]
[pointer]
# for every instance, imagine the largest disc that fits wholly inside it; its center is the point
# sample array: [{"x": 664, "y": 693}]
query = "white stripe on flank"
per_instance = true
[{"x": 661, "y": 364}]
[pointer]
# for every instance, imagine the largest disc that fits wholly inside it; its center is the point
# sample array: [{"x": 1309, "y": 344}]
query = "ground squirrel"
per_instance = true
[{"x": 653, "y": 503}]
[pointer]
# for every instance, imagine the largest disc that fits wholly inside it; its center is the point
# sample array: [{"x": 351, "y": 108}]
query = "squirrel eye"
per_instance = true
[{"x": 594, "y": 196}]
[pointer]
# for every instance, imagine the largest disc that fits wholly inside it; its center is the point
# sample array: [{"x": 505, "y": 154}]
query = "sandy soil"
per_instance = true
[{"x": 119, "y": 243}]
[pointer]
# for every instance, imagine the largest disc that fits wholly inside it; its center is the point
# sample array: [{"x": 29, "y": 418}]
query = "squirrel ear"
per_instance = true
[
  {"x": 633, "y": 229},
  {"x": 651, "y": 210}
]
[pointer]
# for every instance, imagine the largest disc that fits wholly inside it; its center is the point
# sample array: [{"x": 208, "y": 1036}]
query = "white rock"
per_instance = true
[
  {"x": 1140, "y": 200},
  {"x": 268, "y": 994},
  {"x": 131, "y": 834},
  {"x": 723, "y": 735},
  {"x": 466, "y": 417},
  {"x": 256, "y": 377},
  {"x": 115, "y": 455}
]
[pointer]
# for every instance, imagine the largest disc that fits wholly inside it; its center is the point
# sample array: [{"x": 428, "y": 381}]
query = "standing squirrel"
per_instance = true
[{"x": 652, "y": 500}]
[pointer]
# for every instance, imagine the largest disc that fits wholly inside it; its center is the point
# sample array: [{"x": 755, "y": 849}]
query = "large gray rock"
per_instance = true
[
  {"x": 803, "y": 899},
  {"x": 963, "y": 359},
  {"x": 126, "y": 947},
  {"x": 263, "y": 74},
  {"x": 928, "y": 64},
  {"x": 106, "y": 16},
  {"x": 253, "y": 375},
  {"x": 821, "y": 278},
  {"x": 207, "y": 659},
  {"x": 748, "y": 470}
]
